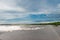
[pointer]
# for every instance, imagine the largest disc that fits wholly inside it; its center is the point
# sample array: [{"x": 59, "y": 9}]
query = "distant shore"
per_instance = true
[{"x": 49, "y": 23}]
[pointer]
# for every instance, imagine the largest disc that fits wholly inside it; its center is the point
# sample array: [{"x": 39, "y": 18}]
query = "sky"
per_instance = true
[{"x": 29, "y": 11}]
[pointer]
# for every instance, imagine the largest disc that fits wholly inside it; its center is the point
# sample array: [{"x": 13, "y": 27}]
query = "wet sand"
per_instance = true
[{"x": 47, "y": 33}]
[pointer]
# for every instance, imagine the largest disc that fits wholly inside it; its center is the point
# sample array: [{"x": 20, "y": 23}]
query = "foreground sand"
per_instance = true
[{"x": 32, "y": 32}]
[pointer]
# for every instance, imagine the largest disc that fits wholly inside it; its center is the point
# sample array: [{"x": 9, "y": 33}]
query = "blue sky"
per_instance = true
[{"x": 28, "y": 11}]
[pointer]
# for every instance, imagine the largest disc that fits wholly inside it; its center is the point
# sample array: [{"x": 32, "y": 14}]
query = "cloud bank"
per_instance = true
[{"x": 17, "y": 11}]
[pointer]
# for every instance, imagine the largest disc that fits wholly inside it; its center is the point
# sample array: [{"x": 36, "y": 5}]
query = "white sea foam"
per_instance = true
[{"x": 12, "y": 28}]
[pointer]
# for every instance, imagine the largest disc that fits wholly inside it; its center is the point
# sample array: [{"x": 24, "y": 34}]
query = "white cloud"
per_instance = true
[
  {"x": 6, "y": 16},
  {"x": 57, "y": 9},
  {"x": 58, "y": 5},
  {"x": 10, "y": 5},
  {"x": 12, "y": 16}
]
